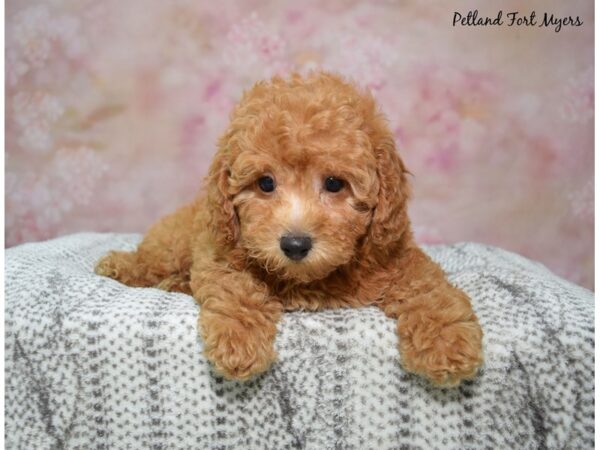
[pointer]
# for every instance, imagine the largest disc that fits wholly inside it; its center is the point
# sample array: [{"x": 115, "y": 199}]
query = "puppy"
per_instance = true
[{"x": 305, "y": 207}]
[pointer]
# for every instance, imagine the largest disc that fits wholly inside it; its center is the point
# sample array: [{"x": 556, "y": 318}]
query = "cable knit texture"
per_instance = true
[{"x": 91, "y": 363}]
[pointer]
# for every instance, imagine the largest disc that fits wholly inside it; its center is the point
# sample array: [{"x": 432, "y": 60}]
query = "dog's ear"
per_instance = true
[
  {"x": 223, "y": 219},
  {"x": 390, "y": 222}
]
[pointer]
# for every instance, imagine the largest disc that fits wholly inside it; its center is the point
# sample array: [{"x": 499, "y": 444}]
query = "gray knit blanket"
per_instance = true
[{"x": 93, "y": 364}]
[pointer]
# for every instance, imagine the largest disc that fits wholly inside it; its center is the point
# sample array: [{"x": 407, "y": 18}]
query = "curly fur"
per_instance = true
[{"x": 224, "y": 248}]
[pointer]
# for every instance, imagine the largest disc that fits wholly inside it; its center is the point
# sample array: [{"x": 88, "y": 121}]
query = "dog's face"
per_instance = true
[
  {"x": 302, "y": 207},
  {"x": 300, "y": 169}
]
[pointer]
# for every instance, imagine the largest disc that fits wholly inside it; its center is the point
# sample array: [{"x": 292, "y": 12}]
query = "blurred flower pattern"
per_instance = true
[{"x": 113, "y": 110}]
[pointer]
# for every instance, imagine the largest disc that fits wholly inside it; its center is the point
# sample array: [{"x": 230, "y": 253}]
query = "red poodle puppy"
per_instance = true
[{"x": 305, "y": 207}]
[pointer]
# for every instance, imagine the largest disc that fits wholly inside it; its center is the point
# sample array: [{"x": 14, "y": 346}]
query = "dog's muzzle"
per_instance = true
[{"x": 295, "y": 247}]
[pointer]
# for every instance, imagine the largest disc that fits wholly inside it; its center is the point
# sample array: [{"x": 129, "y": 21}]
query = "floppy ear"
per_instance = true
[
  {"x": 390, "y": 222},
  {"x": 223, "y": 219}
]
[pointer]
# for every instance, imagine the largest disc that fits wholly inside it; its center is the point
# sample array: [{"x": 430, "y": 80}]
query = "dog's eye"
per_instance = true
[
  {"x": 333, "y": 184},
  {"x": 266, "y": 184}
]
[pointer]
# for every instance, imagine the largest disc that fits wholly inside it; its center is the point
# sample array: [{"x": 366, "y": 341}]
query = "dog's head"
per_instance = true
[{"x": 306, "y": 178}]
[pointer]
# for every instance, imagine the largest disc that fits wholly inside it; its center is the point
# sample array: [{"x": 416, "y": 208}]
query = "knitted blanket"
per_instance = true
[{"x": 93, "y": 364}]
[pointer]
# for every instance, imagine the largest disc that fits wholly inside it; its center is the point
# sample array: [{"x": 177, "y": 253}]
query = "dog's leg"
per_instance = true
[
  {"x": 123, "y": 267},
  {"x": 238, "y": 320},
  {"x": 440, "y": 336},
  {"x": 163, "y": 258}
]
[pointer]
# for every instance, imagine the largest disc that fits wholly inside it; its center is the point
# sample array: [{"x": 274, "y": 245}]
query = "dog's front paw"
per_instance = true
[
  {"x": 105, "y": 267},
  {"x": 118, "y": 266},
  {"x": 444, "y": 354},
  {"x": 236, "y": 351}
]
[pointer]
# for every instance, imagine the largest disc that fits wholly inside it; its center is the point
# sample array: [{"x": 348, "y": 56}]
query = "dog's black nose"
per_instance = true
[{"x": 295, "y": 247}]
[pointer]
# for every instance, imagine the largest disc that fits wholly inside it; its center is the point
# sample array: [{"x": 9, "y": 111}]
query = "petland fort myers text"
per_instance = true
[{"x": 516, "y": 19}]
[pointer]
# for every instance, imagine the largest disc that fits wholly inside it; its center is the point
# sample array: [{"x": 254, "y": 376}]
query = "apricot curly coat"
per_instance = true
[{"x": 224, "y": 248}]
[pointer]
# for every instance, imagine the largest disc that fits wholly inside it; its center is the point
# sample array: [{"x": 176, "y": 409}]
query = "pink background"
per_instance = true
[{"x": 113, "y": 109}]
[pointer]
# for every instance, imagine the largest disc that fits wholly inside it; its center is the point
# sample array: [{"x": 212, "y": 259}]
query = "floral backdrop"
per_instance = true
[{"x": 113, "y": 109}]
